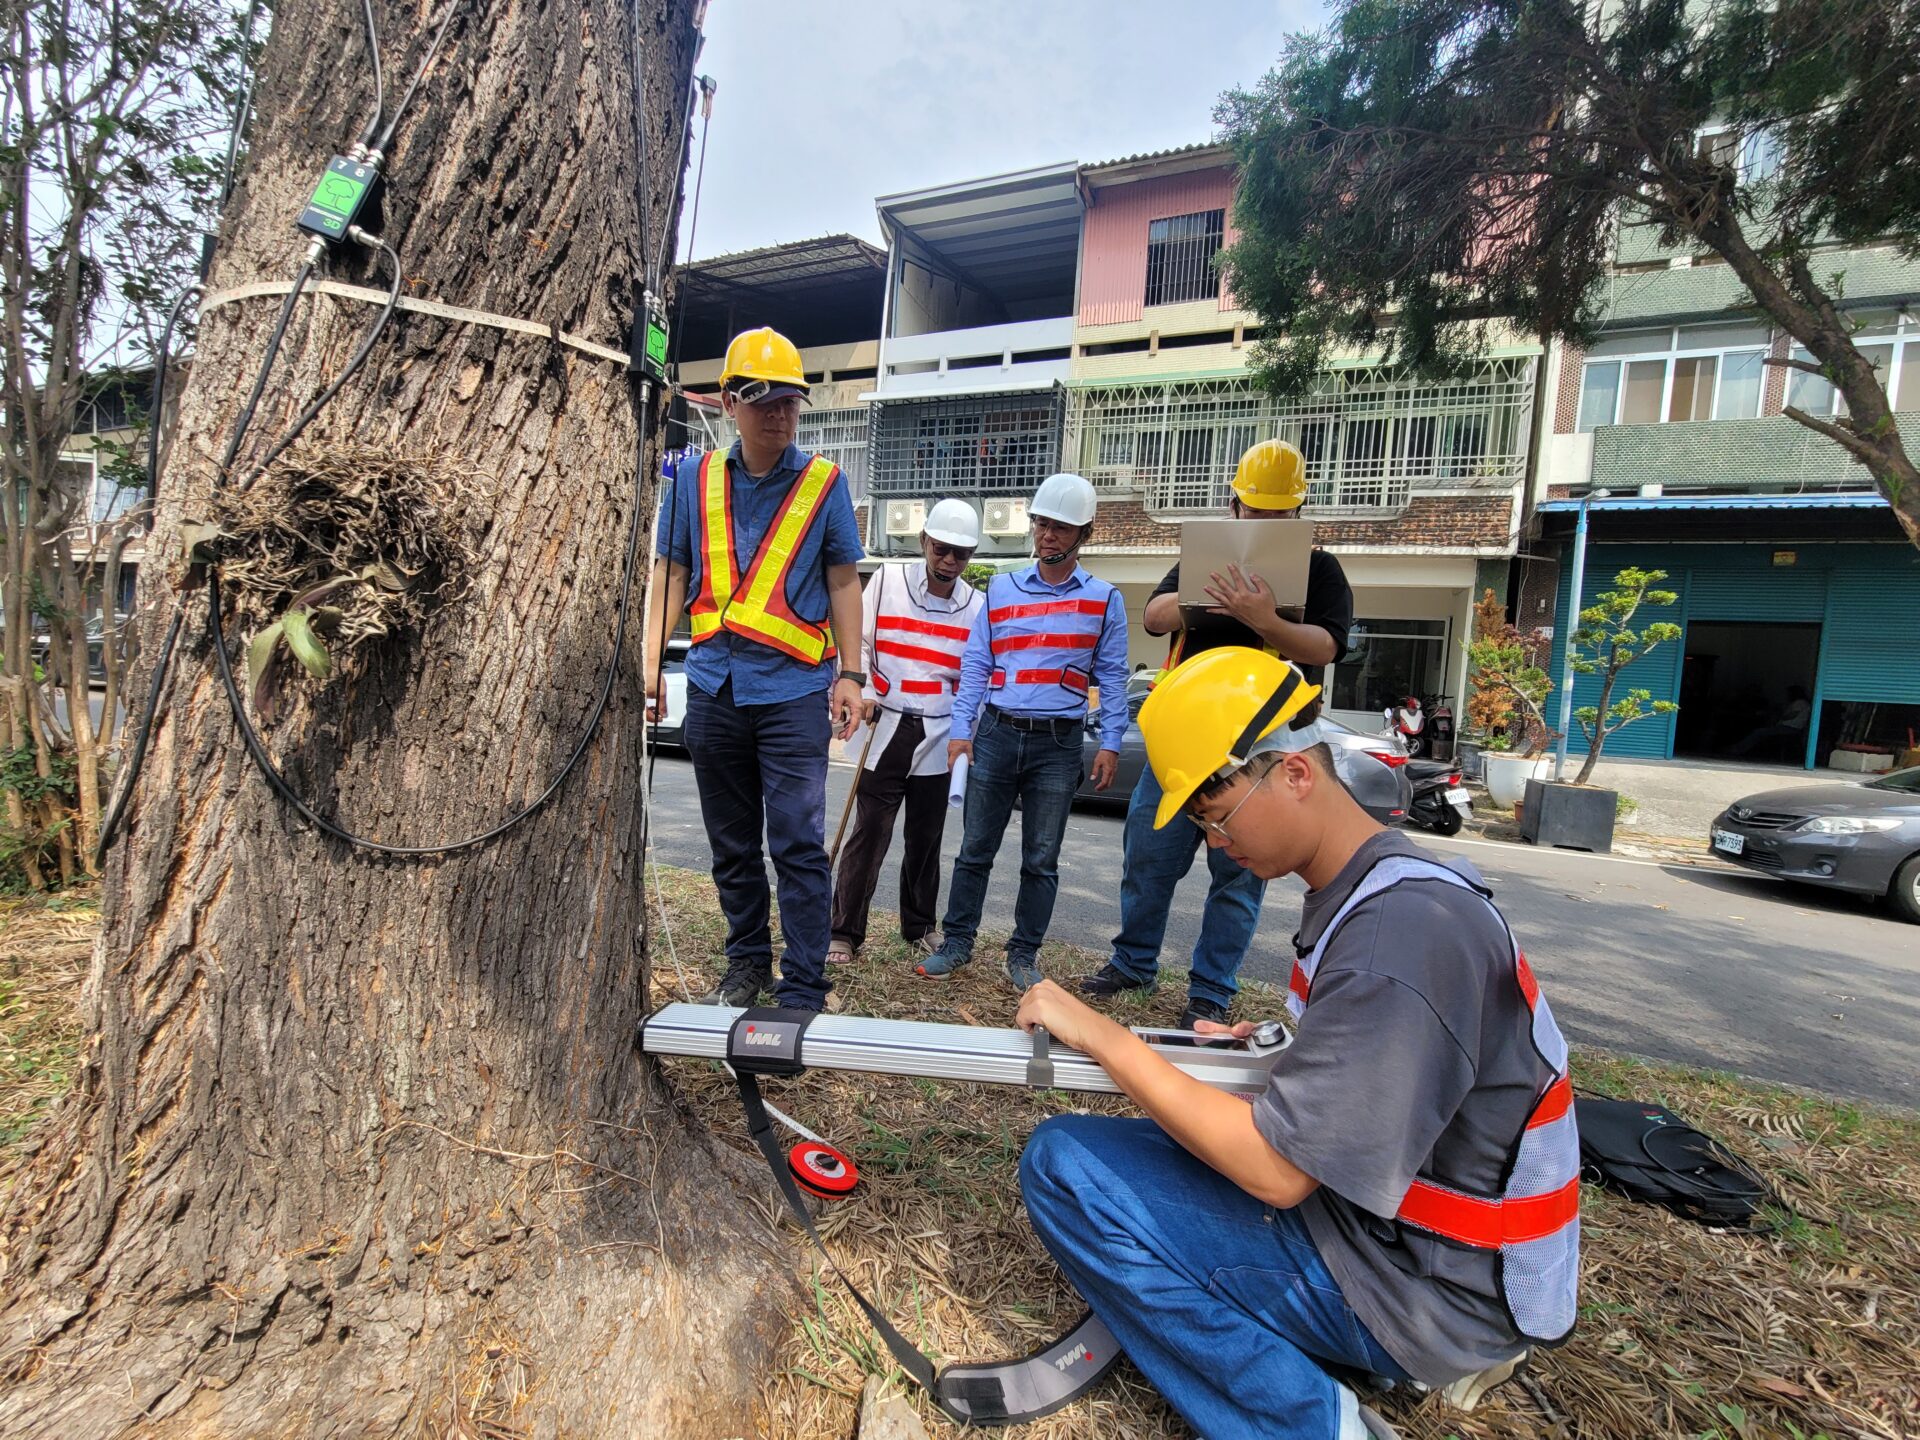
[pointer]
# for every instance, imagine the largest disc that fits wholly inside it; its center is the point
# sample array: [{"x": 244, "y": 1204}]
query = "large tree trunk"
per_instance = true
[{"x": 360, "y": 1143}]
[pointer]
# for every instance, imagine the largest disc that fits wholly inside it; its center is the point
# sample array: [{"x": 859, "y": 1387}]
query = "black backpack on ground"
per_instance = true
[{"x": 1646, "y": 1152}]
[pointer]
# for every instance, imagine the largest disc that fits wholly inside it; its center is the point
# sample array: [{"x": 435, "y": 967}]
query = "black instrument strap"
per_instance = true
[{"x": 1005, "y": 1392}]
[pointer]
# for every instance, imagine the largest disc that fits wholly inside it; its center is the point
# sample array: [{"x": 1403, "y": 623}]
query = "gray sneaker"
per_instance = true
[
  {"x": 740, "y": 988},
  {"x": 1467, "y": 1392},
  {"x": 1022, "y": 972}
]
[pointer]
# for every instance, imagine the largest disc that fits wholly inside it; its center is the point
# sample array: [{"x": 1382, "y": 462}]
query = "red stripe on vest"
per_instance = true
[
  {"x": 1072, "y": 679},
  {"x": 1047, "y": 607},
  {"x": 921, "y": 627},
  {"x": 1297, "y": 982},
  {"x": 1529, "y": 987},
  {"x": 1489, "y": 1224},
  {"x": 1554, "y": 1104},
  {"x": 945, "y": 659},
  {"x": 922, "y": 687},
  {"x": 1003, "y": 643}
]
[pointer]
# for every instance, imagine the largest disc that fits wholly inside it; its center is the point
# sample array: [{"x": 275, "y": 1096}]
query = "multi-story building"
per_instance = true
[
  {"x": 1415, "y": 485},
  {"x": 1798, "y": 592},
  {"x": 825, "y": 295},
  {"x": 974, "y": 352},
  {"x": 1071, "y": 317}
]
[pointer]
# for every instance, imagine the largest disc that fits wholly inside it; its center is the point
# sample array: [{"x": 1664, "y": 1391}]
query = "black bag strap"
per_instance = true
[{"x": 1006, "y": 1392}]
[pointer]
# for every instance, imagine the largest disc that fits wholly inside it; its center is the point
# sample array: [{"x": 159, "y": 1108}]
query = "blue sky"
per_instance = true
[{"x": 824, "y": 104}]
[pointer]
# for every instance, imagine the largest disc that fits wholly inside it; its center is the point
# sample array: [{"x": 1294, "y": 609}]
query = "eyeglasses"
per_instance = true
[
  {"x": 950, "y": 552},
  {"x": 1219, "y": 827}
]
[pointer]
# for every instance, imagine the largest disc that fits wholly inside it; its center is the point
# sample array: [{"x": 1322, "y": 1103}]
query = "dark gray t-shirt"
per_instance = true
[{"x": 1416, "y": 1046}]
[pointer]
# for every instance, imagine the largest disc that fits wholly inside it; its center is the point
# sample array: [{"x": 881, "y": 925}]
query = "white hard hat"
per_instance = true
[
  {"x": 952, "y": 522},
  {"x": 1067, "y": 498}
]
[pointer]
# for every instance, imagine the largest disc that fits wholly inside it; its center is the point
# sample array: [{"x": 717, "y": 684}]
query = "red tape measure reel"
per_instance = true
[{"x": 822, "y": 1170}]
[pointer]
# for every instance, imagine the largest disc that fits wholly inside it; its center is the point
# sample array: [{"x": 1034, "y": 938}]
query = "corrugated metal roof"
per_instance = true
[
  {"x": 822, "y": 257},
  {"x": 1197, "y": 147},
  {"x": 1720, "y": 502}
]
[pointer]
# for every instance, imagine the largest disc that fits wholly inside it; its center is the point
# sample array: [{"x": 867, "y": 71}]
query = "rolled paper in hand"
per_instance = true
[{"x": 957, "y": 785}]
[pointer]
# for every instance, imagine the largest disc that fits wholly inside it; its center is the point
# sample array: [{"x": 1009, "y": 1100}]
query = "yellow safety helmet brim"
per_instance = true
[{"x": 1214, "y": 713}]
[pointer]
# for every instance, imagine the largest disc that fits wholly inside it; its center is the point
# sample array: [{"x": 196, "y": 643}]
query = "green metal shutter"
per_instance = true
[
  {"x": 1651, "y": 738},
  {"x": 1786, "y": 594},
  {"x": 1872, "y": 649}
]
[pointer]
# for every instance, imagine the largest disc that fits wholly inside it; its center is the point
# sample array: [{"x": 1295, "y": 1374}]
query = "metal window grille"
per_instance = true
[
  {"x": 1370, "y": 438},
  {"x": 1180, "y": 251},
  {"x": 973, "y": 446},
  {"x": 840, "y": 436}
]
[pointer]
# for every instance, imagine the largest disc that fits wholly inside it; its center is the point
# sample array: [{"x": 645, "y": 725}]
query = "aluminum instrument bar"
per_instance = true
[{"x": 973, "y": 1053}]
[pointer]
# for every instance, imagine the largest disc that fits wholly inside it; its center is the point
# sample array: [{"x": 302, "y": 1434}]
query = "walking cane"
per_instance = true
[{"x": 833, "y": 856}]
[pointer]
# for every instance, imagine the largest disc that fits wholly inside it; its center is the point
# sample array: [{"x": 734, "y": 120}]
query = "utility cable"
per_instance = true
[
  {"x": 307, "y": 416},
  {"x": 393, "y": 123},
  {"x": 707, "y": 87},
  {"x": 379, "y": 82},
  {"x": 241, "y": 111},
  {"x": 245, "y": 419}
]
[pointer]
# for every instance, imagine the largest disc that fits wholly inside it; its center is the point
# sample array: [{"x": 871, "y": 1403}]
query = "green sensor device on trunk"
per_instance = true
[
  {"x": 653, "y": 346},
  {"x": 337, "y": 200}
]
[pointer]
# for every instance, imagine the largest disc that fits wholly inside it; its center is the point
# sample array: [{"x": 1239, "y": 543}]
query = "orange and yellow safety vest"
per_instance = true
[{"x": 756, "y": 606}]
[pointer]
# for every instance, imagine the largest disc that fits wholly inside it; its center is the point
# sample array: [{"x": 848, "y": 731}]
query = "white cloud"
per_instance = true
[{"x": 822, "y": 106}]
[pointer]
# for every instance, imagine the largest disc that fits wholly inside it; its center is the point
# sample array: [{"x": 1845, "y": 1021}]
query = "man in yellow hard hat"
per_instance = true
[
  {"x": 1270, "y": 485},
  {"x": 1403, "y": 1198},
  {"x": 759, "y": 547}
]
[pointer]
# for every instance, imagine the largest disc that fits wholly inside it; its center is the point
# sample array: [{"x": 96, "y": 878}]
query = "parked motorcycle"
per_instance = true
[{"x": 1439, "y": 804}]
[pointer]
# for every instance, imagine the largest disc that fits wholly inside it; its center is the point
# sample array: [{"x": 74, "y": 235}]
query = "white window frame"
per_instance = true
[
  {"x": 1444, "y": 642},
  {"x": 1672, "y": 353},
  {"x": 1755, "y": 147},
  {"x": 1903, "y": 336}
]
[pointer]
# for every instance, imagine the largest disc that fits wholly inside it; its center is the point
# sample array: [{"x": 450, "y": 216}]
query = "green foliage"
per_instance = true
[
  {"x": 1506, "y": 677},
  {"x": 40, "y": 795},
  {"x": 977, "y": 575},
  {"x": 1423, "y": 166}
]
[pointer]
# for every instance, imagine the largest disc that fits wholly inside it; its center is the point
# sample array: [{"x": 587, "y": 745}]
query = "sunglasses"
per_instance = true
[
  {"x": 950, "y": 552},
  {"x": 1219, "y": 827}
]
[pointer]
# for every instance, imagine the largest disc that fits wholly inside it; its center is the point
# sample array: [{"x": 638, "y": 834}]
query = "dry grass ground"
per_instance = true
[{"x": 1813, "y": 1330}]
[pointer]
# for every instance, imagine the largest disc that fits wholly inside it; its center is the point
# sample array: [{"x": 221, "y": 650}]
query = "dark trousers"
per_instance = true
[
  {"x": 878, "y": 800},
  {"x": 762, "y": 769},
  {"x": 1041, "y": 769}
]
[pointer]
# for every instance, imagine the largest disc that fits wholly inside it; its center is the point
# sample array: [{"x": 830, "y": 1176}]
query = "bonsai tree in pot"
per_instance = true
[{"x": 1605, "y": 644}]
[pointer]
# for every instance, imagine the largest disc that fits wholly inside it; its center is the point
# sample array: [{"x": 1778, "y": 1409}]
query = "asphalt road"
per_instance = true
[{"x": 1693, "y": 964}]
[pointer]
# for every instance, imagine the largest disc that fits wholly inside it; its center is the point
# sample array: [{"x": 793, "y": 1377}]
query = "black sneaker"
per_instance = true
[
  {"x": 1110, "y": 980},
  {"x": 740, "y": 989},
  {"x": 1198, "y": 1009}
]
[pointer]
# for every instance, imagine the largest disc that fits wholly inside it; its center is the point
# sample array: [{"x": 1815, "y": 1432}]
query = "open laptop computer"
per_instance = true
[{"x": 1278, "y": 551}]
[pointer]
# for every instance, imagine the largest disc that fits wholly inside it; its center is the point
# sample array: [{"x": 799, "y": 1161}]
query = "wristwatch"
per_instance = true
[{"x": 858, "y": 677}]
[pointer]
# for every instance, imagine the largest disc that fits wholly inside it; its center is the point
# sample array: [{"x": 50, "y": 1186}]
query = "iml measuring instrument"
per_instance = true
[{"x": 772, "y": 1041}]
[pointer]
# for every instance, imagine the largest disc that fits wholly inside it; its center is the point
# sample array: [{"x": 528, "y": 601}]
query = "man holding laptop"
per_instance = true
[{"x": 1266, "y": 588}]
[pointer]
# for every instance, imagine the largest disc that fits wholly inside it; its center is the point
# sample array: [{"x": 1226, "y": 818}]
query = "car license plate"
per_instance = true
[
  {"x": 1729, "y": 843},
  {"x": 1459, "y": 797}
]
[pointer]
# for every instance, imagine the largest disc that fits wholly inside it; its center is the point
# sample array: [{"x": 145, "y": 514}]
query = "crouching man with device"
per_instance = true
[{"x": 1403, "y": 1200}]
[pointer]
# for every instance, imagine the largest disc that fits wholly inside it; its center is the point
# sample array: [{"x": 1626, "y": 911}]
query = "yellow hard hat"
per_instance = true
[
  {"x": 767, "y": 357},
  {"x": 1210, "y": 715},
  {"x": 1272, "y": 476}
]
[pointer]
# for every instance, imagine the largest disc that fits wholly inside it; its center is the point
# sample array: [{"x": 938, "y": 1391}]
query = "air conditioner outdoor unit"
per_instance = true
[
  {"x": 1005, "y": 517},
  {"x": 906, "y": 517}
]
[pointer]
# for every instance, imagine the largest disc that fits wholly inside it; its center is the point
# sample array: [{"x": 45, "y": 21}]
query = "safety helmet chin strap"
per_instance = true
[{"x": 1071, "y": 551}]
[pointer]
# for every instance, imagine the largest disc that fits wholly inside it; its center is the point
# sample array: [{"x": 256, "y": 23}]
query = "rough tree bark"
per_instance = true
[{"x": 359, "y": 1143}]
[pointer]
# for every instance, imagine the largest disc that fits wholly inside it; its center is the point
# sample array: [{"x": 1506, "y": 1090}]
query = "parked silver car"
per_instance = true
[
  {"x": 1372, "y": 767},
  {"x": 1860, "y": 836}
]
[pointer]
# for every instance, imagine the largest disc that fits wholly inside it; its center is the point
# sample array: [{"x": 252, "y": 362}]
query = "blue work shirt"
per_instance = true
[
  {"x": 1109, "y": 664},
  {"x": 761, "y": 675}
]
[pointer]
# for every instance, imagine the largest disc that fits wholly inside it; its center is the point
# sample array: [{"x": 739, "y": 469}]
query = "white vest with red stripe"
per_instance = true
[
  {"x": 914, "y": 643},
  {"x": 1042, "y": 645},
  {"x": 1534, "y": 1221}
]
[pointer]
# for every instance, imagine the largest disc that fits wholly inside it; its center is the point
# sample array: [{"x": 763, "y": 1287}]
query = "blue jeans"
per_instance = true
[
  {"x": 763, "y": 769},
  {"x": 1041, "y": 769},
  {"x": 1221, "y": 1301},
  {"x": 1152, "y": 864}
]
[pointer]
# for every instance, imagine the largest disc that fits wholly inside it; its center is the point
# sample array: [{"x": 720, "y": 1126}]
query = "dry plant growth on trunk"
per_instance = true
[{"x": 352, "y": 1140}]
